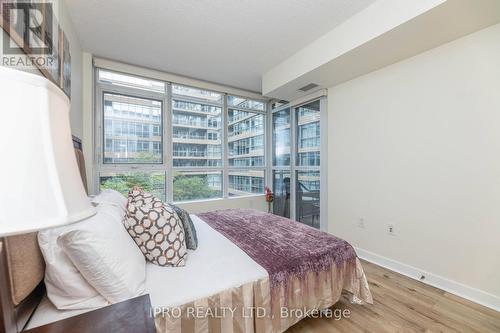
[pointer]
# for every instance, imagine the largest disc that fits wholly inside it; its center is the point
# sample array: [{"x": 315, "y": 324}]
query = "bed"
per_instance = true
[
  {"x": 230, "y": 278},
  {"x": 184, "y": 285},
  {"x": 225, "y": 272}
]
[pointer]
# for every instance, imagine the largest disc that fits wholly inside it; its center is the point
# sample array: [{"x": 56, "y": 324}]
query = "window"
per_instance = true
[
  {"x": 134, "y": 142},
  {"x": 126, "y": 80},
  {"x": 308, "y": 197},
  {"x": 243, "y": 103},
  {"x": 153, "y": 182},
  {"x": 200, "y": 94},
  {"x": 296, "y": 171},
  {"x": 129, "y": 131},
  {"x": 307, "y": 175},
  {"x": 195, "y": 185},
  {"x": 308, "y": 134},
  {"x": 246, "y": 145},
  {"x": 245, "y": 182},
  {"x": 281, "y": 189},
  {"x": 281, "y": 138},
  {"x": 196, "y": 127},
  {"x": 245, "y": 138}
]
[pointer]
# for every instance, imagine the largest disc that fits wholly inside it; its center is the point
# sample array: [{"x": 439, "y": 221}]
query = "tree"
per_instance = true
[
  {"x": 186, "y": 187},
  {"x": 153, "y": 183},
  {"x": 146, "y": 157},
  {"x": 193, "y": 187}
]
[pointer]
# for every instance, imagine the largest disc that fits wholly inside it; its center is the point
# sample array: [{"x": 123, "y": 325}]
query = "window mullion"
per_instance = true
[
  {"x": 168, "y": 147},
  {"x": 225, "y": 149},
  {"x": 293, "y": 163}
]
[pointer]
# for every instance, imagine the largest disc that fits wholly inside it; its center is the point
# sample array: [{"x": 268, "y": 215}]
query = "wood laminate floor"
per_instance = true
[{"x": 402, "y": 304}]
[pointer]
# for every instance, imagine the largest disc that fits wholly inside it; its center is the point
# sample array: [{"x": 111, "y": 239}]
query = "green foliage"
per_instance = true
[
  {"x": 186, "y": 188},
  {"x": 153, "y": 183},
  {"x": 192, "y": 188},
  {"x": 146, "y": 157}
]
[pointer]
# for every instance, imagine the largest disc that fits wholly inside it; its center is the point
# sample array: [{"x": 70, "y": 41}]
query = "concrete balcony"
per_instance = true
[
  {"x": 308, "y": 150},
  {"x": 304, "y": 120},
  {"x": 191, "y": 157},
  {"x": 247, "y": 173},
  {"x": 245, "y": 135},
  {"x": 132, "y": 120},
  {"x": 192, "y": 125},
  {"x": 155, "y": 138},
  {"x": 241, "y": 119},
  {"x": 129, "y": 154},
  {"x": 195, "y": 156},
  {"x": 197, "y": 112},
  {"x": 196, "y": 141},
  {"x": 255, "y": 153}
]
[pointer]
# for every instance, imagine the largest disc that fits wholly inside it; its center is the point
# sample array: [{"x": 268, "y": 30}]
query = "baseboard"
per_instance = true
[{"x": 472, "y": 294}]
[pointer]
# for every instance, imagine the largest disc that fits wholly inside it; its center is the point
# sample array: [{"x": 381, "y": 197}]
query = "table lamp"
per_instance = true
[{"x": 40, "y": 185}]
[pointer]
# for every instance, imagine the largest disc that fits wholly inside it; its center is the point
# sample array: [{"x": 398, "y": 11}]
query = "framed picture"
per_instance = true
[
  {"x": 13, "y": 25},
  {"x": 44, "y": 41},
  {"x": 36, "y": 44},
  {"x": 51, "y": 38},
  {"x": 65, "y": 65}
]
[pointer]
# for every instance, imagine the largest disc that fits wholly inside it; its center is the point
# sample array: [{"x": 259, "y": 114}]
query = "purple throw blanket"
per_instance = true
[{"x": 283, "y": 247}]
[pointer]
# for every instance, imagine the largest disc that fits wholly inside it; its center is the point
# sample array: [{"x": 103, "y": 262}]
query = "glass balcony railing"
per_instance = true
[{"x": 183, "y": 153}]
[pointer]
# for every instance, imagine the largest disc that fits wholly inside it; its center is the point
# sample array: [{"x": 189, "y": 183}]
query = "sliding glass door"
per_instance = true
[
  {"x": 281, "y": 153},
  {"x": 297, "y": 161},
  {"x": 307, "y": 163}
]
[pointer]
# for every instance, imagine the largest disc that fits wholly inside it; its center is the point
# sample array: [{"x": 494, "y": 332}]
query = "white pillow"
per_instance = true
[
  {"x": 66, "y": 287},
  {"x": 110, "y": 197},
  {"x": 111, "y": 262}
]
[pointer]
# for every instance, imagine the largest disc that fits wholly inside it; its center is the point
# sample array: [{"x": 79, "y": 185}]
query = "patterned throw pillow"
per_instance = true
[
  {"x": 189, "y": 230},
  {"x": 156, "y": 229}
]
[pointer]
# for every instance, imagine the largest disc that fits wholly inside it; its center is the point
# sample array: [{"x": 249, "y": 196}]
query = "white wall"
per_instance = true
[{"x": 417, "y": 145}]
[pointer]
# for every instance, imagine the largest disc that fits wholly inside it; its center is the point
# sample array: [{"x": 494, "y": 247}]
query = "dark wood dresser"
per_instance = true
[{"x": 131, "y": 316}]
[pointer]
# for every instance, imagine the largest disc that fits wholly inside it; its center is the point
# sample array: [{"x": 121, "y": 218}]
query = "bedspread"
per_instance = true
[
  {"x": 308, "y": 269},
  {"x": 285, "y": 248}
]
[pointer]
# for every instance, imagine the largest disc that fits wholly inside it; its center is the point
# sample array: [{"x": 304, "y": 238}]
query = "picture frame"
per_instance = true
[
  {"x": 50, "y": 41},
  {"x": 15, "y": 32},
  {"x": 65, "y": 65}
]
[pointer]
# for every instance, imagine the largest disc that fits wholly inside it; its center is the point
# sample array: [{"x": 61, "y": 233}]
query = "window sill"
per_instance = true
[
  {"x": 247, "y": 196},
  {"x": 218, "y": 199}
]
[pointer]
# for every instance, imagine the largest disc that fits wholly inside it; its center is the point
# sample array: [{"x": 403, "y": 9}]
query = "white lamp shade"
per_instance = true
[{"x": 39, "y": 178}]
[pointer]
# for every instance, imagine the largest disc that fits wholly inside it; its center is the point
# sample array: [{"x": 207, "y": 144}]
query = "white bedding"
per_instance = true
[{"x": 216, "y": 265}]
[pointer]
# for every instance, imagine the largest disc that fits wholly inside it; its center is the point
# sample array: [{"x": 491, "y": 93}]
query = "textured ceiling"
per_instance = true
[{"x": 232, "y": 42}]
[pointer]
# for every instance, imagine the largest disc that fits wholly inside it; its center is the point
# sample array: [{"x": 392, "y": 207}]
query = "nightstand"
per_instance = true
[{"x": 130, "y": 316}]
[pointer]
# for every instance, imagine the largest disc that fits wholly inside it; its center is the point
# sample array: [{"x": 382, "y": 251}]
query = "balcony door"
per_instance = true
[{"x": 298, "y": 156}]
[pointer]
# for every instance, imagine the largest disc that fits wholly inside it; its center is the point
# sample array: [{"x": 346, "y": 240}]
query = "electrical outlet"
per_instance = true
[
  {"x": 361, "y": 223},
  {"x": 390, "y": 229}
]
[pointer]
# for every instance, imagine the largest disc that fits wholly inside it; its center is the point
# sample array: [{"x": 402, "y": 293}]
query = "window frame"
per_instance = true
[
  {"x": 173, "y": 169},
  {"x": 294, "y": 168},
  {"x": 103, "y": 139},
  {"x": 265, "y": 166},
  {"x": 166, "y": 166}
]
